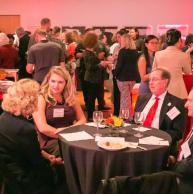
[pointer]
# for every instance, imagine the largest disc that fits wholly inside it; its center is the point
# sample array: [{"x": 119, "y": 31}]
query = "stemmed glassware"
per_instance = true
[
  {"x": 124, "y": 114},
  {"x": 138, "y": 118},
  {"x": 97, "y": 118}
]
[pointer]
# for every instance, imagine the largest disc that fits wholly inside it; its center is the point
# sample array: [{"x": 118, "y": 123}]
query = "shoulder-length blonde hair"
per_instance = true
[
  {"x": 69, "y": 89},
  {"x": 21, "y": 98},
  {"x": 127, "y": 42}
]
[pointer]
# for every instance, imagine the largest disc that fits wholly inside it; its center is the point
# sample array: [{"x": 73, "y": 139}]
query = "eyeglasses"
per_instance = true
[
  {"x": 153, "y": 42},
  {"x": 155, "y": 79}
]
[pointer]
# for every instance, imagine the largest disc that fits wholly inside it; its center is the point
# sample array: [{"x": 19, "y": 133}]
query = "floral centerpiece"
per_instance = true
[{"x": 114, "y": 121}]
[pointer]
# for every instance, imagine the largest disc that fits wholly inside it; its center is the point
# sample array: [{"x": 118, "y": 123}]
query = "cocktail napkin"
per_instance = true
[{"x": 76, "y": 136}]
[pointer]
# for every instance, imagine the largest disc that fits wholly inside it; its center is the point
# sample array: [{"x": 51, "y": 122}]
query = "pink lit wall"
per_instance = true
[{"x": 101, "y": 12}]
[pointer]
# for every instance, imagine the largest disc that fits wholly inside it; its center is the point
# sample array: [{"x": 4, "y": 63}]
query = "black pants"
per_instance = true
[
  {"x": 116, "y": 97},
  {"x": 101, "y": 96},
  {"x": 93, "y": 91},
  {"x": 84, "y": 91}
]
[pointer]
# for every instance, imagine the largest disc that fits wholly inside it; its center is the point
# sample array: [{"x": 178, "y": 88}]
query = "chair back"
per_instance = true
[
  {"x": 8, "y": 184},
  {"x": 163, "y": 182},
  {"x": 120, "y": 185}
]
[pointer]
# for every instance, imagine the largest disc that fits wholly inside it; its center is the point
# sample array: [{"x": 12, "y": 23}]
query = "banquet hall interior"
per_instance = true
[{"x": 90, "y": 58}]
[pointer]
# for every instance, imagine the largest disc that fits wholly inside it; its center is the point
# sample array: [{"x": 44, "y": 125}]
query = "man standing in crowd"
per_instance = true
[
  {"x": 45, "y": 25},
  {"x": 23, "y": 45},
  {"x": 43, "y": 55}
]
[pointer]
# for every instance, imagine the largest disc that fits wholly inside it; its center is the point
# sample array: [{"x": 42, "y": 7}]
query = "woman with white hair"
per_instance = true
[
  {"x": 8, "y": 54},
  {"x": 20, "y": 152}
]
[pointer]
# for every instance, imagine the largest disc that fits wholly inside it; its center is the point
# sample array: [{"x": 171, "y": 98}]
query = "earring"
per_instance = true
[{"x": 29, "y": 117}]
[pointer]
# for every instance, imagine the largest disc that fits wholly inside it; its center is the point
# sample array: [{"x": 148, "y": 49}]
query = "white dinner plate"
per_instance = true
[{"x": 112, "y": 145}]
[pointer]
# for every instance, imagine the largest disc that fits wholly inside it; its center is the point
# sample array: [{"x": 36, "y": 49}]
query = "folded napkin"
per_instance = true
[
  {"x": 132, "y": 144},
  {"x": 92, "y": 124},
  {"x": 76, "y": 136},
  {"x": 141, "y": 129},
  {"x": 113, "y": 139},
  {"x": 126, "y": 124},
  {"x": 152, "y": 140}
]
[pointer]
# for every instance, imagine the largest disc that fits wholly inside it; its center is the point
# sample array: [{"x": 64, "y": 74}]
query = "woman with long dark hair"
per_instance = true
[
  {"x": 145, "y": 62},
  {"x": 175, "y": 61}
]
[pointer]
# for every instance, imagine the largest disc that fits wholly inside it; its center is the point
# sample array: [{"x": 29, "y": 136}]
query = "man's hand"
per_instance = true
[
  {"x": 171, "y": 160},
  {"x": 30, "y": 68}
]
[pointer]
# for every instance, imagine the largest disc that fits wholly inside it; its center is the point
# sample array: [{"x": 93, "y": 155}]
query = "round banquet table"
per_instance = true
[{"x": 86, "y": 164}]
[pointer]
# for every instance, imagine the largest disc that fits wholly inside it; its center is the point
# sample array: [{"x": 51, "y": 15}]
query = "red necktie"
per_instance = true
[{"x": 151, "y": 114}]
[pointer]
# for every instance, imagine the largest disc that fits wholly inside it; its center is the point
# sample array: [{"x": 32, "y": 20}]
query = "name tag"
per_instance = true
[
  {"x": 173, "y": 113},
  {"x": 185, "y": 149},
  {"x": 58, "y": 112}
]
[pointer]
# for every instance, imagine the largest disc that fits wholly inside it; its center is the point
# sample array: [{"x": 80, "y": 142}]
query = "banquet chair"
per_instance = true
[
  {"x": 120, "y": 185},
  {"x": 7, "y": 184},
  {"x": 164, "y": 182}
]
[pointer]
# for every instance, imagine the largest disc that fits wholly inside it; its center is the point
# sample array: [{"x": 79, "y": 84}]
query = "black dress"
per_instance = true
[{"x": 67, "y": 118}]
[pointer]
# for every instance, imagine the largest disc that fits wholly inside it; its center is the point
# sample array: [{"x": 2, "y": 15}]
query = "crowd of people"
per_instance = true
[{"x": 53, "y": 65}]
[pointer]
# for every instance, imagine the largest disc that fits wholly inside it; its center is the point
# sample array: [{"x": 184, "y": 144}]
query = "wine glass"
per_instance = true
[
  {"x": 124, "y": 114},
  {"x": 138, "y": 118},
  {"x": 97, "y": 118}
]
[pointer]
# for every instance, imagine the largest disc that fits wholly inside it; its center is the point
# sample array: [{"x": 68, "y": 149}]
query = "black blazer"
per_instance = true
[
  {"x": 174, "y": 127},
  {"x": 185, "y": 169},
  {"x": 126, "y": 68},
  {"x": 20, "y": 152},
  {"x": 93, "y": 71}
]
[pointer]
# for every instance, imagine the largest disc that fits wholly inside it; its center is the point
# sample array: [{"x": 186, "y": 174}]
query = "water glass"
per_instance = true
[
  {"x": 138, "y": 118},
  {"x": 97, "y": 118}
]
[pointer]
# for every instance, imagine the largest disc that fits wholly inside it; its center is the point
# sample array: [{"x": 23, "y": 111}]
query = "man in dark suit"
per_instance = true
[
  {"x": 170, "y": 114},
  {"x": 184, "y": 165},
  {"x": 23, "y": 45}
]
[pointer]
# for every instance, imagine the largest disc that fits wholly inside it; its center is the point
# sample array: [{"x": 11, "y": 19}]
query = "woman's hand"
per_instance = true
[
  {"x": 52, "y": 158},
  {"x": 190, "y": 49},
  {"x": 59, "y": 130}
]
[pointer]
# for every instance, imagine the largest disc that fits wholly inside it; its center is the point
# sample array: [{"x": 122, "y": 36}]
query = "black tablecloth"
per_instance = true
[{"x": 86, "y": 164}]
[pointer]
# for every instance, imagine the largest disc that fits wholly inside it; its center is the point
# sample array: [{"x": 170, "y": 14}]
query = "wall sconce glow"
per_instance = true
[{"x": 184, "y": 28}]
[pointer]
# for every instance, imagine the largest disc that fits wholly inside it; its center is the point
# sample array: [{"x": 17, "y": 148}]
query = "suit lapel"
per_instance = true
[
  {"x": 190, "y": 142},
  {"x": 144, "y": 101},
  {"x": 165, "y": 107}
]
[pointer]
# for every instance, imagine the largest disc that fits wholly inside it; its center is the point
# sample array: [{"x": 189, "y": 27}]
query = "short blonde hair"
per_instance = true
[
  {"x": 69, "y": 89},
  {"x": 127, "y": 42},
  {"x": 21, "y": 98},
  {"x": 40, "y": 32}
]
